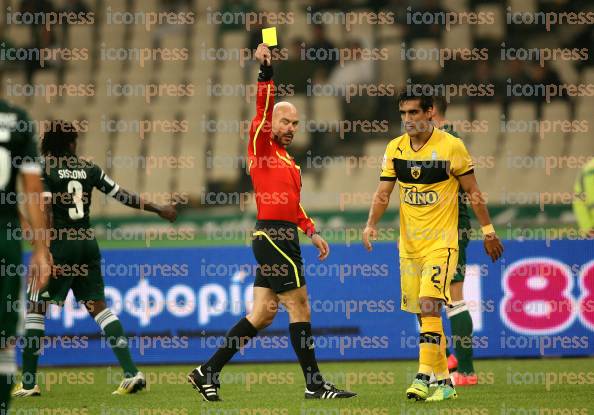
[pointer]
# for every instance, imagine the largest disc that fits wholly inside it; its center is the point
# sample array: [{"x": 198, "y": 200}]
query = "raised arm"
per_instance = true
[{"x": 261, "y": 127}]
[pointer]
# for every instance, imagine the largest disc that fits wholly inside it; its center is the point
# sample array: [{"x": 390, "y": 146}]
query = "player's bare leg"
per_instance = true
[
  {"x": 110, "y": 325},
  {"x": 461, "y": 323},
  {"x": 264, "y": 309},
  {"x": 34, "y": 333},
  {"x": 297, "y": 305}
]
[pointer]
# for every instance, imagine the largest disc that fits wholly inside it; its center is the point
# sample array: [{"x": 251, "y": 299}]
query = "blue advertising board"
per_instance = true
[{"x": 176, "y": 304}]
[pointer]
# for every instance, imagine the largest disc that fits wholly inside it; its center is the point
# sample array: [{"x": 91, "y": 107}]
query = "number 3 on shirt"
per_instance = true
[{"x": 75, "y": 188}]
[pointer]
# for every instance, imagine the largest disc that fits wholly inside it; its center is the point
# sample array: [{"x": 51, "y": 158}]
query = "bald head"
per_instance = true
[
  {"x": 283, "y": 107},
  {"x": 285, "y": 119}
]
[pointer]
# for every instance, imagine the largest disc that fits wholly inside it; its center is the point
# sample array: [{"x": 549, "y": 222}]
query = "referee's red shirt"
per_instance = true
[{"x": 275, "y": 175}]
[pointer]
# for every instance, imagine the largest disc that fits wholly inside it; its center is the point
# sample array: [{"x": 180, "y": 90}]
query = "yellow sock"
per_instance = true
[{"x": 431, "y": 348}]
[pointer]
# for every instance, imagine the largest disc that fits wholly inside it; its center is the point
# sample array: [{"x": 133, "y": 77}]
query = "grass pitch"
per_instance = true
[{"x": 508, "y": 387}]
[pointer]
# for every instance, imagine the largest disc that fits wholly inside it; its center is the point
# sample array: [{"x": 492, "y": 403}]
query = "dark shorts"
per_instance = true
[
  {"x": 80, "y": 260},
  {"x": 276, "y": 247},
  {"x": 10, "y": 288},
  {"x": 461, "y": 268}
]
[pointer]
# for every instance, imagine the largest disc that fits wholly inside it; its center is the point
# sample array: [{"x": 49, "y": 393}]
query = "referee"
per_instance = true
[{"x": 277, "y": 183}]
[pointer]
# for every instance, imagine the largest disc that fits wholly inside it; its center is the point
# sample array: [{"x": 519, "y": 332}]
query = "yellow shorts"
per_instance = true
[{"x": 429, "y": 276}]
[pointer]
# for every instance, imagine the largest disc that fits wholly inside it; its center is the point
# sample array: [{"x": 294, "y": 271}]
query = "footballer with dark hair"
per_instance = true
[
  {"x": 431, "y": 166},
  {"x": 69, "y": 181}
]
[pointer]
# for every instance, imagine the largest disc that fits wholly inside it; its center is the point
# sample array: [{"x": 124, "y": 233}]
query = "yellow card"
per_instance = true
[{"x": 269, "y": 36}]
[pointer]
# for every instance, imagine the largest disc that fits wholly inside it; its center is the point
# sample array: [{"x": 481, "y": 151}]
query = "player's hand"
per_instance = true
[
  {"x": 493, "y": 246},
  {"x": 263, "y": 54},
  {"x": 168, "y": 212},
  {"x": 322, "y": 246},
  {"x": 369, "y": 234},
  {"x": 39, "y": 272}
]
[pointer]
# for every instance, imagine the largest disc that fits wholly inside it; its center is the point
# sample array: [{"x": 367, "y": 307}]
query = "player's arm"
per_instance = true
[
  {"x": 306, "y": 224},
  {"x": 379, "y": 204},
  {"x": 106, "y": 185},
  {"x": 493, "y": 245},
  {"x": 260, "y": 128},
  {"x": 30, "y": 173},
  {"x": 25, "y": 227},
  {"x": 381, "y": 198},
  {"x": 136, "y": 201},
  {"x": 462, "y": 168},
  {"x": 40, "y": 263}
]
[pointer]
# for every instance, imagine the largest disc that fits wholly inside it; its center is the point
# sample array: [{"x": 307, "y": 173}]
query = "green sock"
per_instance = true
[
  {"x": 114, "y": 332},
  {"x": 34, "y": 332},
  {"x": 461, "y": 323},
  {"x": 7, "y": 369}
]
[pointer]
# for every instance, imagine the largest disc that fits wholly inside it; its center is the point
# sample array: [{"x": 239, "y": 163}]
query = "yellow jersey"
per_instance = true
[{"x": 429, "y": 187}]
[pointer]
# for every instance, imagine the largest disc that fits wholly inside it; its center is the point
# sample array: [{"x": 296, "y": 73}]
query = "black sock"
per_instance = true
[
  {"x": 239, "y": 334},
  {"x": 421, "y": 376},
  {"x": 303, "y": 344},
  {"x": 6, "y": 381}
]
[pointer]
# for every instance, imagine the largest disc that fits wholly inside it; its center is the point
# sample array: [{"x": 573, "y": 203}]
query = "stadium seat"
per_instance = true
[
  {"x": 80, "y": 36},
  {"x": 127, "y": 164},
  {"x": 158, "y": 176},
  {"x": 20, "y": 34},
  {"x": 228, "y": 152},
  {"x": 459, "y": 36},
  {"x": 459, "y": 116},
  {"x": 524, "y": 6},
  {"x": 112, "y": 34},
  {"x": 522, "y": 119},
  {"x": 485, "y": 144},
  {"x": 230, "y": 73},
  {"x": 566, "y": 70},
  {"x": 390, "y": 34},
  {"x": 391, "y": 70},
  {"x": 326, "y": 109},
  {"x": 429, "y": 66},
  {"x": 517, "y": 148},
  {"x": 314, "y": 197},
  {"x": 334, "y": 186},
  {"x": 588, "y": 75},
  {"x": 193, "y": 147},
  {"x": 336, "y": 33},
  {"x": 495, "y": 31},
  {"x": 455, "y": 5},
  {"x": 363, "y": 32},
  {"x": 12, "y": 80},
  {"x": 553, "y": 142},
  {"x": 299, "y": 28}
]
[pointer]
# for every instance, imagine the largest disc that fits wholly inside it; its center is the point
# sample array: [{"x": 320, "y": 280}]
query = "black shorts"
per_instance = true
[{"x": 276, "y": 248}]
